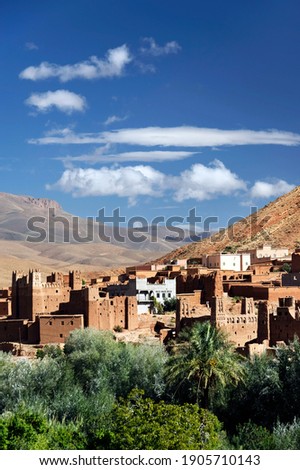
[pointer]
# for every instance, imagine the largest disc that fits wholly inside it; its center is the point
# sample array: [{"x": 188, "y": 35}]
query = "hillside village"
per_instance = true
[{"x": 253, "y": 295}]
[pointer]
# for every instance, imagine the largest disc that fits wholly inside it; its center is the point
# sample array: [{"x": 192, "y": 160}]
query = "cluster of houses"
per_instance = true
[{"x": 254, "y": 295}]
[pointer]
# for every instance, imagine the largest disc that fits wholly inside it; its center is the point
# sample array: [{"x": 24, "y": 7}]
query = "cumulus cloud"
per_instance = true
[
  {"x": 63, "y": 100},
  {"x": 183, "y": 136},
  {"x": 113, "y": 65},
  {"x": 199, "y": 182},
  {"x": 202, "y": 182},
  {"x": 128, "y": 181},
  {"x": 154, "y": 49},
  {"x": 266, "y": 190}
]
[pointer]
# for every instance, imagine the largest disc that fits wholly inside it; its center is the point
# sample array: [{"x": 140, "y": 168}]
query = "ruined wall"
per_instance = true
[
  {"x": 210, "y": 285},
  {"x": 283, "y": 326},
  {"x": 188, "y": 305},
  {"x": 238, "y": 321}
]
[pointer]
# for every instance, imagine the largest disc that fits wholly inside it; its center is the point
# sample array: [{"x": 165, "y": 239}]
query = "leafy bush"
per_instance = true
[
  {"x": 139, "y": 423},
  {"x": 170, "y": 305}
]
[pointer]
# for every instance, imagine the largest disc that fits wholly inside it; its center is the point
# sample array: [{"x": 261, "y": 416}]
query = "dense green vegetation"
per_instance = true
[{"x": 101, "y": 394}]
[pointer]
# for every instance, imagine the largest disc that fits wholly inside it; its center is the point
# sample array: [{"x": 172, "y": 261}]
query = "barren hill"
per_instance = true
[
  {"x": 53, "y": 253},
  {"x": 277, "y": 224}
]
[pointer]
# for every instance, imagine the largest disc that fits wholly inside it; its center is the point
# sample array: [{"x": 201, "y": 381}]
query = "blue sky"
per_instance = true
[{"x": 155, "y": 107}]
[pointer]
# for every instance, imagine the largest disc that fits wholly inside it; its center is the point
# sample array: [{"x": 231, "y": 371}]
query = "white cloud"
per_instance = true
[
  {"x": 152, "y": 156},
  {"x": 199, "y": 182},
  {"x": 112, "y": 66},
  {"x": 123, "y": 182},
  {"x": 114, "y": 118},
  {"x": 183, "y": 136},
  {"x": 31, "y": 46},
  {"x": 262, "y": 189},
  {"x": 198, "y": 137},
  {"x": 207, "y": 182},
  {"x": 63, "y": 100},
  {"x": 154, "y": 49}
]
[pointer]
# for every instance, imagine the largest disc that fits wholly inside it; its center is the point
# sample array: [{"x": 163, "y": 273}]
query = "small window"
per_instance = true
[
  {"x": 169, "y": 295},
  {"x": 62, "y": 322},
  {"x": 163, "y": 295},
  {"x": 158, "y": 295},
  {"x": 72, "y": 323},
  {"x": 61, "y": 335},
  {"x": 50, "y": 323}
]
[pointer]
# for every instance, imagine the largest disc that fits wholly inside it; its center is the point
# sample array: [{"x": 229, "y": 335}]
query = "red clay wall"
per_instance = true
[{"x": 55, "y": 329}]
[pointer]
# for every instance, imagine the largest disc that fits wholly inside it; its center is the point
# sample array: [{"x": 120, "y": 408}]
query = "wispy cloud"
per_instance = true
[
  {"x": 63, "y": 100},
  {"x": 183, "y": 136},
  {"x": 31, "y": 46},
  {"x": 101, "y": 156},
  {"x": 266, "y": 190},
  {"x": 113, "y": 65},
  {"x": 152, "y": 48},
  {"x": 113, "y": 119},
  {"x": 200, "y": 182}
]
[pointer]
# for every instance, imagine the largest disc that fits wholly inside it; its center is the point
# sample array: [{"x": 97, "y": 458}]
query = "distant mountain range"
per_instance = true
[
  {"x": 54, "y": 236},
  {"x": 275, "y": 224}
]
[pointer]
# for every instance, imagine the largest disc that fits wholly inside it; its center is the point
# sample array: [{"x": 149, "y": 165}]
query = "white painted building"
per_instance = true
[
  {"x": 267, "y": 252},
  {"x": 145, "y": 291},
  {"x": 228, "y": 261}
]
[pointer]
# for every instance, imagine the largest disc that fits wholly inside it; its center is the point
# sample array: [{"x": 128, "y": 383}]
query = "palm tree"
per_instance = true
[{"x": 202, "y": 357}]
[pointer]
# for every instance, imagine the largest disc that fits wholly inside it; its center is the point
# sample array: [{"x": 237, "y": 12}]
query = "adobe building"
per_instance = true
[
  {"x": 49, "y": 311},
  {"x": 238, "y": 320},
  {"x": 189, "y": 309},
  {"x": 279, "y": 323},
  {"x": 32, "y": 297},
  {"x": 293, "y": 278}
]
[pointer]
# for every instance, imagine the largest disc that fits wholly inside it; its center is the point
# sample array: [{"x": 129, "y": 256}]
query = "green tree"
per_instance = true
[
  {"x": 286, "y": 267},
  {"x": 170, "y": 304},
  {"x": 157, "y": 306},
  {"x": 139, "y": 423},
  {"x": 257, "y": 398},
  {"x": 202, "y": 359},
  {"x": 288, "y": 362},
  {"x": 287, "y": 436}
]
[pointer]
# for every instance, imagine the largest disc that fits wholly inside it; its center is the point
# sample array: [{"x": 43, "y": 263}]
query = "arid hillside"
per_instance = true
[
  {"x": 277, "y": 224},
  {"x": 59, "y": 250}
]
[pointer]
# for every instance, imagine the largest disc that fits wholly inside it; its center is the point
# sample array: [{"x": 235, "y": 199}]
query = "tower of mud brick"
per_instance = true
[{"x": 75, "y": 280}]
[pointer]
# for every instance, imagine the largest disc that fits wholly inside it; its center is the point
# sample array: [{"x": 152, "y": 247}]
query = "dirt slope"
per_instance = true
[{"x": 278, "y": 224}]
